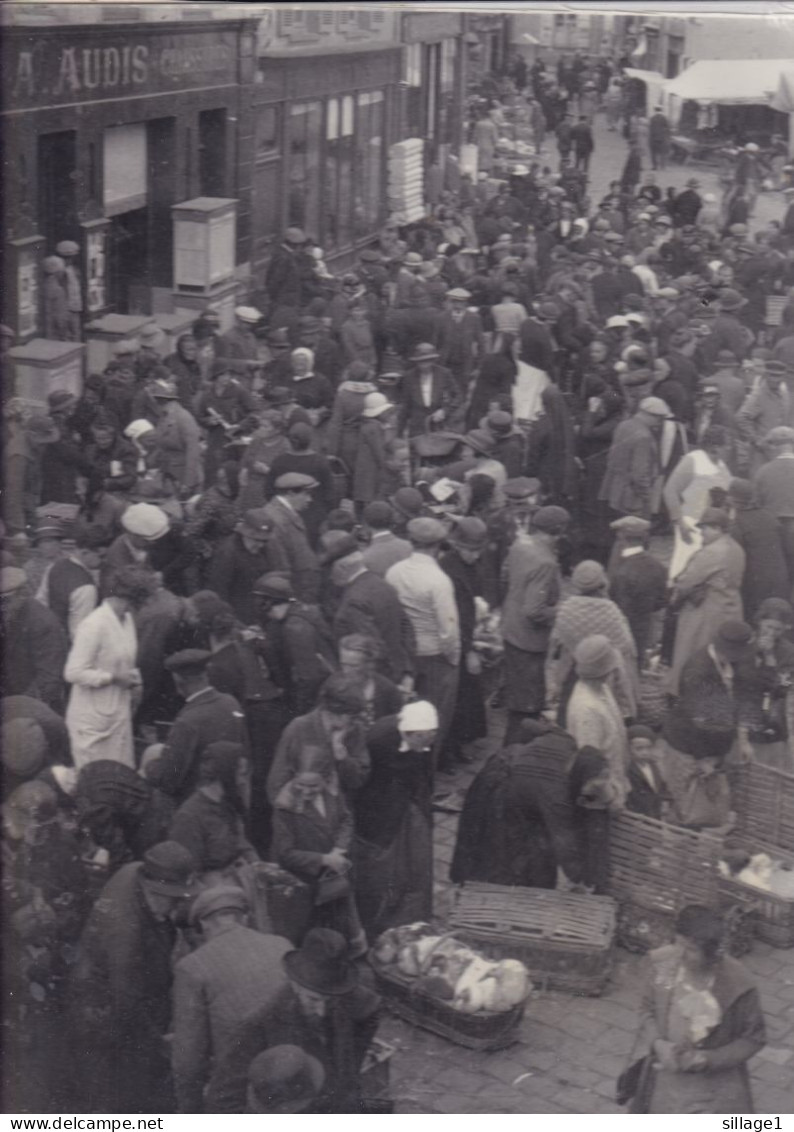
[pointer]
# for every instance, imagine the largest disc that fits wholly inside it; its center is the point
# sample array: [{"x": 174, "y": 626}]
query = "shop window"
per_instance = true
[
  {"x": 338, "y": 191},
  {"x": 57, "y": 163},
  {"x": 124, "y": 168},
  {"x": 267, "y": 131},
  {"x": 412, "y": 64},
  {"x": 305, "y": 129},
  {"x": 369, "y": 162},
  {"x": 448, "y": 56},
  {"x": 266, "y": 206}
]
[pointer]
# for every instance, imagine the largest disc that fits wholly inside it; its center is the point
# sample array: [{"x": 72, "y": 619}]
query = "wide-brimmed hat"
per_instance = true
[
  {"x": 321, "y": 963},
  {"x": 424, "y": 352},
  {"x": 168, "y": 868}
]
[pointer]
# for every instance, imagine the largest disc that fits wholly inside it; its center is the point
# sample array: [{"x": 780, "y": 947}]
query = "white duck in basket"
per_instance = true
[{"x": 494, "y": 987}]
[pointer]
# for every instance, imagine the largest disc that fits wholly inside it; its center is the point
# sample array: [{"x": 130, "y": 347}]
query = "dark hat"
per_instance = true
[
  {"x": 521, "y": 487},
  {"x": 548, "y": 310},
  {"x": 369, "y": 255},
  {"x": 715, "y": 517},
  {"x": 295, "y": 481},
  {"x": 342, "y": 695},
  {"x": 283, "y": 1079},
  {"x": 733, "y": 639},
  {"x": 778, "y": 368},
  {"x": 221, "y": 898},
  {"x": 335, "y": 545},
  {"x": 775, "y": 609},
  {"x": 741, "y": 490},
  {"x": 48, "y": 528},
  {"x": 378, "y": 514},
  {"x": 726, "y": 358},
  {"x": 188, "y": 660},
  {"x": 276, "y": 587},
  {"x": 169, "y": 867},
  {"x": 257, "y": 521},
  {"x": 321, "y": 963},
  {"x": 164, "y": 390},
  {"x": 59, "y": 400},
  {"x": 43, "y": 427},
  {"x": 408, "y": 501},
  {"x": 499, "y": 423},
  {"x": 221, "y": 366},
  {"x": 24, "y": 747},
  {"x": 469, "y": 533},
  {"x": 552, "y": 520},
  {"x": 279, "y": 335},
  {"x": 424, "y": 352},
  {"x": 730, "y": 300},
  {"x": 632, "y": 526},
  {"x": 640, "y": 731}
]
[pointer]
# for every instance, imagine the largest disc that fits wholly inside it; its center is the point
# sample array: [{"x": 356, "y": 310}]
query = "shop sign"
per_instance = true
[
  {"x": 428, "y": 27},
  {"x": 46, "y": 71}
]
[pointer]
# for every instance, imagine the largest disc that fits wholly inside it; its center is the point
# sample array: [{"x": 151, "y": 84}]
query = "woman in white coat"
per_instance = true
[{"x": 101, "y": 668}]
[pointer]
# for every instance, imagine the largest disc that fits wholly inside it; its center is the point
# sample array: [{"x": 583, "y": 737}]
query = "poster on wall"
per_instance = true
[
  {"x": 96, "y": 270},
  {"x": 27, "y": 293}
]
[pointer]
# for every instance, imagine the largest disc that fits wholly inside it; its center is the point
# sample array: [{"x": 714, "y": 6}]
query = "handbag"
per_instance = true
[
  {"x": 629, "y": 1081},
  {"x": 330, "y": 886}
]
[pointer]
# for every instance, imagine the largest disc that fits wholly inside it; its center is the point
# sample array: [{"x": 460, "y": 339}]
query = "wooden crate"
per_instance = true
[
  {"x": 763, "y": 800},
  {"x": 654, "y": 870},
  {"x": 565, "y": 940}
]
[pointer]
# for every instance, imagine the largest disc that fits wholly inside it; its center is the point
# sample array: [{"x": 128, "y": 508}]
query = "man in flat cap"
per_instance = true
[
  {"x": 120, "y": 985},
  {"x": 234, "y": 971},
  {"x": 219, "y": 408},
  {"x": 34, "y": 646},
  {"x": 774, "y": 485},
  {"x": 768, "y": 406},
  {"x": 637, "y": 580},
  {"x": 283, "y": 279},
  {"x": 633, "y": 463},
  {"x": 428, "y": 598},
  {"x": 293, "y": 495},
  {"x": 460, "y": 338},
  {"x": 240, "y": 343},
  {"x": 23, "y": 470},
  {"x": 243, "y": 557},
  {"x": 530, "y": 605},
  {"x": 208, "y": 716}
]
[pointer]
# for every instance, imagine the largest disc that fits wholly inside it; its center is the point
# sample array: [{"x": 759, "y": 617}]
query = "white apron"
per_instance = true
[
  {"x": 695, "y": 499},
  {"x": 99, "y": 715}
]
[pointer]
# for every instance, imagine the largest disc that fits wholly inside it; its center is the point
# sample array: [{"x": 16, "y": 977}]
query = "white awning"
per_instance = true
[
  {"x": 730, "y": 82},
  {"x": 646, "y": 76}
]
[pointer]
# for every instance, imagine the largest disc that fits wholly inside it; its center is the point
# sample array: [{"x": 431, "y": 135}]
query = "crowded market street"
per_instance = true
[{"x": 397, "y": 582}]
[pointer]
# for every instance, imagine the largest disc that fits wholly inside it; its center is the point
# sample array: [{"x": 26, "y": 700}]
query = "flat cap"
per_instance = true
[
  {"x": 469, "y": 533},
  {"x": 781, "y": 434},
  {"x": 631, "y": 525},
  {"x": 426, "y": 531},
  {"x": 295, "y": 481},
  {"x": 67, "y": 248},
  {"x": 655, "y": 407},
  {"x": 257, "y": 521},
  {"x": 247, "y": 314},
  {"x": 275, "y": 586},
  {"x": 459, "y": 293},
  {"x": 169, "y": 868},
  {"x": 146, "y": 520},
  {"x": 221, "y": 898},
  {"x": 60, "y": 399},
  {"x": 521, "y": 487},
  {"x": 188, "y": 659},
  {"x": 715, "y": 517},
  {"x": 378, "y": 513},
  {"x": 552, "y": 520},
  {"x": 408, "y": 501},
  {"x": 733, "y": 638},
  {"x": 337, "y": 544}
]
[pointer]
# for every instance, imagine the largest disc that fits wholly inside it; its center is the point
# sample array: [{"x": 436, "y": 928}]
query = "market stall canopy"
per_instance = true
[
  {"x": 730, "y": 82},
  {"x": 784, "y": 96},
  {"x": 654, "y": 85}
]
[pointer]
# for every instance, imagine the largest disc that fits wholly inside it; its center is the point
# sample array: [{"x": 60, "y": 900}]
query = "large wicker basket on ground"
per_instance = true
[
  {"x": 763, "y": 800},
  {"x": 483, "y": 1030},
  {"x": 565, "y": 940},
  {"x": 654, "y": 870}
]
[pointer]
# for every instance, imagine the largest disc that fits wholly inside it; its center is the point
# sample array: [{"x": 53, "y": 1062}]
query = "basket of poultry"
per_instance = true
[{"x": 438, "y": 983}]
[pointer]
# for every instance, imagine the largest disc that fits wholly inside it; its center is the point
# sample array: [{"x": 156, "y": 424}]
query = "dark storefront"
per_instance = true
[
  {"x": 105, "y": 129},
  {"x": 432, "y": 79},
  {"x": 322, "y": 126}
]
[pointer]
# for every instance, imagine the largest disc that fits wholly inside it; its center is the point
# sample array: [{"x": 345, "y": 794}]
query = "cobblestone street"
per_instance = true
[{"x": 570, "y": 1049}]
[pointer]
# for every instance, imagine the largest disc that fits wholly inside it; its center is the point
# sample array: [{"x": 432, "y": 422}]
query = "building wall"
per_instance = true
[{"x": 737, "y": 37}]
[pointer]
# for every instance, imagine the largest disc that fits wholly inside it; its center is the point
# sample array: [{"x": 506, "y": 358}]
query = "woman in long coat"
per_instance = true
[
  {"x": 525, "y": 815},
  {"x": 101, "y": 667},
  {"x": 705, "y": 1018},
  {"x": 551, "y": 456},
  {"x": 707, "y": 592},
  {"x": 393, "y": 819}
]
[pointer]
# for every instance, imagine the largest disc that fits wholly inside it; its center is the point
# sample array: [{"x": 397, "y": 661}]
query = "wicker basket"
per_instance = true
[
  {"x": 483, "y": 1031},
  {"x": 565, "y": 940},
  {"x": 654, "y": 870},
  {"x": 774, "y": 915},
  {"x": 763, "y": 799}
]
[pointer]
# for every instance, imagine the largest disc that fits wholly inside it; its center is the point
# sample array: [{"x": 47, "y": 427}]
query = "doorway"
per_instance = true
[
  {"x": 57, "y": 180},
  {"x": 212, "y": 153},
  {"x": 129, "y": 260}
]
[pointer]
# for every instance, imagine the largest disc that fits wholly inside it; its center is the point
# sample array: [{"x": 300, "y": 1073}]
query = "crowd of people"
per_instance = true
[{"x": 262, "y": 593}]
